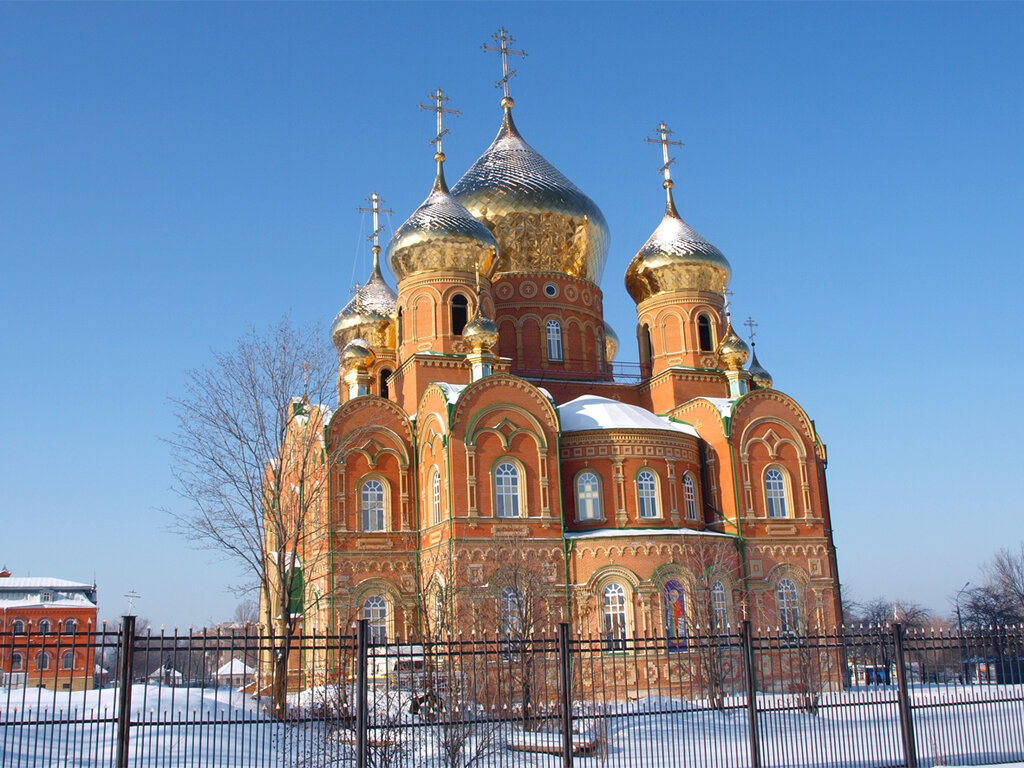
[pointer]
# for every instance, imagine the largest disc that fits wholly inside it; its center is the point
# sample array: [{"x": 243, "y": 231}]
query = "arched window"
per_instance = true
[
  {"x": 70, "y": 627},
  {"x": 17, "y": 662},
  {"x": 44, "y": 627},
  {"x": 460, "y": 313},
  {"x": 511, "y": 605},
  {"x": 719, "y": 608},
  {"x": 42, "y": 660},
  {"x": 775, "y": 493},
  {"x": 385, "y": 381},
  {"x": 375, "y": 611},
  {"x": 401, "y": 327},
  {"x": 704, "y": 334},
  {"x": 614, "y": 617},
  {"x": 67, "y": 660},
  {"x": 786, "y": 598},
  {"x": 554, "y": 341},
  {"x": 689, "y": 497},
  {"x": 435, "y": 485},
  {"x": 588, "y": 496},
  {"x": 647, "y": 494},
  {"x": 439, "y": 621},
  {"x": 506, "y": 490},
  {"x": 372, "y": 503},
  {"x": 18, "y": 627}
]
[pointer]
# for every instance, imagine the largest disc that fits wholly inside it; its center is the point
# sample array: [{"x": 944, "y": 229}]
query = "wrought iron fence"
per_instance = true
[{"x": 866, "y": 697}]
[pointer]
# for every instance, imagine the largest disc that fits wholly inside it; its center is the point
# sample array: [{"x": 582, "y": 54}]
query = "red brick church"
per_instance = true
[{"x": 489, "y": 471}]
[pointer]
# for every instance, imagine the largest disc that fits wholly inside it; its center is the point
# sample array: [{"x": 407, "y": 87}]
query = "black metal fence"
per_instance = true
[{"x": 866, "y": 697}]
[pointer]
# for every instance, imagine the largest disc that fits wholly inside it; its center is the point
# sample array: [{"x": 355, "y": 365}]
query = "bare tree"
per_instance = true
[
  {"x": 1000, "y": 600},
  {"x": 249, "y": 458}
]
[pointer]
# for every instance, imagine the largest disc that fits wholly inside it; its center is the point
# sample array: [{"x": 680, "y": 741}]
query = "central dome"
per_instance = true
[{"x": 541, "y": 220}]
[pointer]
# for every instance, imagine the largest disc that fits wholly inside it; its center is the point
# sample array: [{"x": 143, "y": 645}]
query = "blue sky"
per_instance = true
[{"x": 171, "y": 174}]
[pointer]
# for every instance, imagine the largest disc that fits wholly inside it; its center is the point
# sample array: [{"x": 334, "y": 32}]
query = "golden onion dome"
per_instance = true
[
  {"x": 611, "y": 343},
  {"x": 368, "y": 315},
  {"x": 441, "y": 236},
  {"x": 758, "y": 375},
  {"x": 676, "y": 258},
  {"x": 542, "y": 221},
  {"x": 481, "y": 332},
  {"x": 733, "y": 351},
  {"x": 357, "y": 355}
]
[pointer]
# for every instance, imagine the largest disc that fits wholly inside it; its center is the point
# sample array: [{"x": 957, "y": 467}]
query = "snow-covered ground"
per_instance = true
[{"x": 185, "y": 727}]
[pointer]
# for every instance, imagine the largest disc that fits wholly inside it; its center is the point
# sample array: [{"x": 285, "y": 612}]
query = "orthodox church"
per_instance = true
[{"x": 491, "y": 470}]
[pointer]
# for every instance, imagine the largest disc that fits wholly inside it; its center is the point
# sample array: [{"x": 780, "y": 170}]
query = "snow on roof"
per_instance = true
[
  {"x": 604, "y": 533},
  {"x": 723, "y": 404},
  {"x": 593, "y": 412},
  {"x": 234, "y": 667},
  {"x": 39, "y": 582},
  {"x": 165, "y": 671}
]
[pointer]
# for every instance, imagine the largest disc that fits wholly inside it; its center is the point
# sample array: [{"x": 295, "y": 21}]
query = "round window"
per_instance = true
[{"x": 550, "y": 290}]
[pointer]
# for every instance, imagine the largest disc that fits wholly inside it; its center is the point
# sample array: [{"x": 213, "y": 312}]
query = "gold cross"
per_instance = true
[
  {"x": 356, "y": 292},
  {"x": 504, "y": 38},
  {"x": 374, "y": 200},
  {"x": 439, "y": 101},
  {"x": 725, "y": 296},
  {"x": 751, "y": 325},
  {"x": 663, "y": 134}
]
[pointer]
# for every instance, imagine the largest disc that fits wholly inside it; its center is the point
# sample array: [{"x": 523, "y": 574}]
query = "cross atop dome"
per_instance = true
[
  {"x": 751, "y": 326},
  {"x": 375, "y": 200},
  {"x": 503, "y": 38},
  {"x": 662, "y": 134},
  {"x": 440, "y": 99}
]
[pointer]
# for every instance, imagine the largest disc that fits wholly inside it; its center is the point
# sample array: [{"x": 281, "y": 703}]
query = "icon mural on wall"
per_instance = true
[{"x": 672, "y": 595}]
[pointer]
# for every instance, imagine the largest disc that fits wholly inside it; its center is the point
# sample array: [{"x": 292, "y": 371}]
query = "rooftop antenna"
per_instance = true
[{"x": 503, "y": 38}]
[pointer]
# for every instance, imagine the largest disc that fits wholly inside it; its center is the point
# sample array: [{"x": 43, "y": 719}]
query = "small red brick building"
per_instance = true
[{"x": 46, "y": 628}]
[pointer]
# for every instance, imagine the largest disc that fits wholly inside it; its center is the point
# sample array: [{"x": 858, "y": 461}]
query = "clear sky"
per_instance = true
[{"x": 171, "y": 174}]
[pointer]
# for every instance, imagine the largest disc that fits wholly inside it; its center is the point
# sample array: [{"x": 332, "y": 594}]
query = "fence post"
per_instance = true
[
  {"x": 903, "y": 698},
  {"x": 565, "y": 681},
  {"x": 124, "y": 692},
  {"x": 361, "y": 691},
  {"x": 747, "y": 638}
]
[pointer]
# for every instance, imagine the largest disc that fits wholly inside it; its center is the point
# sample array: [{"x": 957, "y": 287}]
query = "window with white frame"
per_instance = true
[
  {"x": 554, "y": 341},
  {"x": 775, "y": 493},
  {"x": 719, "y": 607},
  {"x": 647, "y": 494},
  {"x": 510, "y": 603},
  {"x": 787, "y": 601},
  {"x": 689, "y": 497},
  {"x": 613, "y": 605},
  {"x": 375, "y": 611},
  {"x": 435, "y": 485},
  {"x": 67, "y": 660},
  {"x": 588, "y": 496},
  {"x": 17, "y": 662},
  {"x": 42, "y": 660},
  {"x": 372, "y": 501},
  {"x": 506, "y": 490},
  {"x": 18, "y": 627}
]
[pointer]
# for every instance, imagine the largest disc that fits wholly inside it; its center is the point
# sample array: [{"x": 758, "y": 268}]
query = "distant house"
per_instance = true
[
  {"x": 46, "y": 626},
  {"x": 234, "y": 674},
  {"x": 165, "y": 675}
]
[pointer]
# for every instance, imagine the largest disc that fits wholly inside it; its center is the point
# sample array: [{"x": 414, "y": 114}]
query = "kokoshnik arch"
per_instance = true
[{"x": 485, "y": 469}]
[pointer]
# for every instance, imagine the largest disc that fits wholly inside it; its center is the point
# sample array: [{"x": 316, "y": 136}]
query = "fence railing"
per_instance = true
[{"x": 865, "y": 697}]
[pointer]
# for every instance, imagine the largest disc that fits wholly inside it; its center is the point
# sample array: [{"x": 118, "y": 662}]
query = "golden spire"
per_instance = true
[
  {"x": 374, "y": 200},
  {"x": 663, "y": 133},
  {"x": 503, "y": 38},
  {"x": 439, "y": 107}
]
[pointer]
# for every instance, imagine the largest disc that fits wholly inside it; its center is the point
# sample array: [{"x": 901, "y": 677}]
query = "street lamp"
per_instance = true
[{"x": 960, "y": 631}]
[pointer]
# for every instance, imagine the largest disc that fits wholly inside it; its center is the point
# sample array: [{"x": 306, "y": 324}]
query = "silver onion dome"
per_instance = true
[
  {"x": 761, "y": 378},
  {"x": 676, "y": 258},
  {"x": 441, "y": 236},
  {"x": 542, "y": 221},
  {"x": 368, "y": 314}
]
